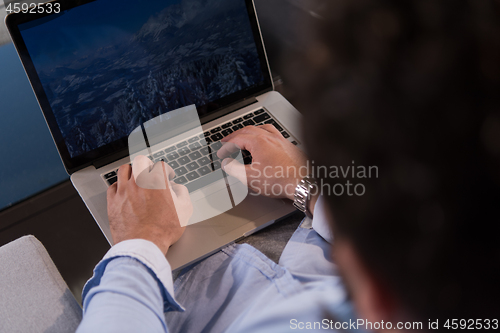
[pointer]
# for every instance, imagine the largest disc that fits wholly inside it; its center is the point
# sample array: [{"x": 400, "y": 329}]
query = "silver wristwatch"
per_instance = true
[{"x": 303, "y": 195}]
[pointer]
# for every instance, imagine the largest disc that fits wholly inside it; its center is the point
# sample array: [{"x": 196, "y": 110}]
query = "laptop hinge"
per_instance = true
[
  {"x": 110, "y": 158},
  {"x": 229, "y": 109}
]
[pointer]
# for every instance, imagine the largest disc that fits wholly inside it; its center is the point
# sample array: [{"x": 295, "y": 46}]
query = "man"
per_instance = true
[{"x": 408, "y": 86}]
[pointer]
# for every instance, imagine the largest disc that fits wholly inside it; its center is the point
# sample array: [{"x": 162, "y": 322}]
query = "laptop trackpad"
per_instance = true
[{"x": 252, "y": 208}]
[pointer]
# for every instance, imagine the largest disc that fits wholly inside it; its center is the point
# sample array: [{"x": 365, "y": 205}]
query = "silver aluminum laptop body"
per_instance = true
[{"x": 203, "y": 238}]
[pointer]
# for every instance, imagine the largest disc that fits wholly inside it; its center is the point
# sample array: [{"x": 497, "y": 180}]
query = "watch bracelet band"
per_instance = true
[{"x": 302, "y": 195}]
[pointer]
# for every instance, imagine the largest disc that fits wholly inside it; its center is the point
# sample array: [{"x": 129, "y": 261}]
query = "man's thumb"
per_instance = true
[{"x": 234, "y": 168}]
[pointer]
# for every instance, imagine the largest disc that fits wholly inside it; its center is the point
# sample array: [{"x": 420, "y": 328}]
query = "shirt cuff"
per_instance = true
[
  {"x": 150, "y": 256},
  {"x": 320, "y": 222}
]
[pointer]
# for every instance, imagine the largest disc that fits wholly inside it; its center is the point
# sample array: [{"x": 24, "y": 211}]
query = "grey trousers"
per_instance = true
[{"x": 33, "y": 295}]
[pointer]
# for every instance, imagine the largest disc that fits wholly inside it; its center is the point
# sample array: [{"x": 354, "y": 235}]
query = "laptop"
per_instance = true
[{"x": 102, "y": 69}]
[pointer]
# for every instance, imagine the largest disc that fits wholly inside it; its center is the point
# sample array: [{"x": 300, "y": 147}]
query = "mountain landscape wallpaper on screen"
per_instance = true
[{"x": 191, "y": 52}]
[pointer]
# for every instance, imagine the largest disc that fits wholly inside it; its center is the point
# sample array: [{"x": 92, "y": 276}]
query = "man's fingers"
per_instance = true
[
  {"x": 112, "y": 191},
  {"x": 242, "y": 141},
  {"x": 151, "y": 176},
  {"x": 228, "y": 148},
  {"x": 124, "y": 174},
  {"x": 182, "y": 202},
  {"x": 141, "y": 164},
  {"x": 156, "y": 178},
  {"x": 270, "y": 128},
  {"x": 235, "y": 169},
  {"x": 248, "y": 130},
  {"x": 169, "y": 172},
  {"x": 180, "y": 191}
]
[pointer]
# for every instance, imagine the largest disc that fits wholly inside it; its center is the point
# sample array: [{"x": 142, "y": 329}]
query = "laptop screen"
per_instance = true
[{"x": 108, "y": 66}]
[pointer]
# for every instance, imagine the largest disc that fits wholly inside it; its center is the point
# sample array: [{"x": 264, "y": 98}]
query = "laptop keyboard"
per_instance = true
[{"x": 195, "y": 159}]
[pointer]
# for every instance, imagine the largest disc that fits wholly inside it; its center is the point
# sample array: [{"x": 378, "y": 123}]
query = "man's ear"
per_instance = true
[{"x": 371, "y": 297}]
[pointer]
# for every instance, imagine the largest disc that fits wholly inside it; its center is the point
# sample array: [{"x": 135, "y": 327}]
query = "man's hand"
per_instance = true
[
  {"x": 277, "y": 165},
  {"x": 138, "y": 212}
]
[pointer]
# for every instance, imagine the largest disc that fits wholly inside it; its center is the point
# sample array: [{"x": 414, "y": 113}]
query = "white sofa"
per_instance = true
[{"x": 33, "y": 295}]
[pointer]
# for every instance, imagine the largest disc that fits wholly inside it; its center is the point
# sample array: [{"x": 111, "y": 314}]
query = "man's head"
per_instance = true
[{"x": 412, "y": 87}]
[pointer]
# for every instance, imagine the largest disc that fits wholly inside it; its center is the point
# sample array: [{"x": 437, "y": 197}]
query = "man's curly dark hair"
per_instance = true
[{"x": 413, "y": 87}]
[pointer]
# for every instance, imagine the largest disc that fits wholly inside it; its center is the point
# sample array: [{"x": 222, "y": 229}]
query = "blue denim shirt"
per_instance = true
[{"x": 236, "y": 290}]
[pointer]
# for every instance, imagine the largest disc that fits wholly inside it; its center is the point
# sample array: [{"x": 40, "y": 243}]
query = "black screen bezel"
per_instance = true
[{"x": 119, "y": 147}]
